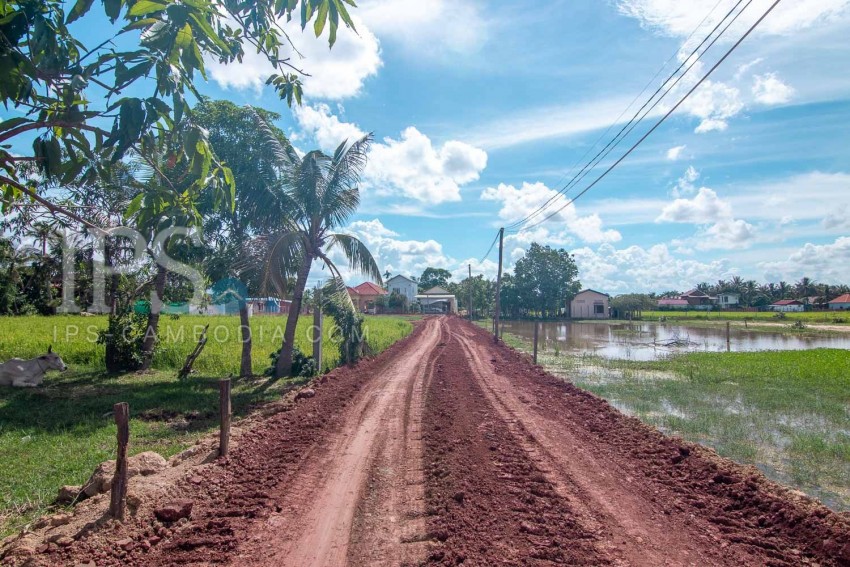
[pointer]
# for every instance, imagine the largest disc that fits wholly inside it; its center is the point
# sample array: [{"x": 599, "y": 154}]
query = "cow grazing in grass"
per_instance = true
[{"x": 29, "y": 373}]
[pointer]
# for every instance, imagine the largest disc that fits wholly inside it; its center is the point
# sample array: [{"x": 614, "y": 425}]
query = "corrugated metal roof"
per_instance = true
[{"x": 842, "y": 299}]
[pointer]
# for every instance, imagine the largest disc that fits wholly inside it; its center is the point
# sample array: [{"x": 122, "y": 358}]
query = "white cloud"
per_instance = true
[
  {"x": 823, "y": 262},
  {"x": 410, "y": 166},
  {"x": 706, "y": 207},
  {"x": 327, "y": 128},
  {"x": 685, "y": 184},
  {"x": 637, "y": 269},
  {"x": 519, "y": 202},
  {"x": 399, "y": 256},
  {"x": 769, "y": 89},
  {"x": 413, "y": 167},
  {"x": 674, "y": 152},
  {"x": 718, "y": 228},
  {"x": 333, "y": 73},
  {"x": 838, "y": 218},
  {"x": 428, "y": 28},
  {"x": 713, "y": 103},
  {"x": 678, "y": 18}
]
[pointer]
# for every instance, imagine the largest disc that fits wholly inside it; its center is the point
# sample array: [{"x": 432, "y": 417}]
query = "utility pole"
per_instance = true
[
  {"x": 470, "y": 291},
  {"x": 498, "y": 288}
]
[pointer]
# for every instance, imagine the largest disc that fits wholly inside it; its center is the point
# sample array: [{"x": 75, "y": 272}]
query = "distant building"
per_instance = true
[
  {"x": 840, "y": 302},
  {"x": 404, "y": 286},
  {"x": 268, "y": 306},
  {"x": 364, "y": 296},
  {"x": 437, "y": 300},
  {"x": 669, "y": 303},
  {"x": 728, "y": 299},
  {"x": 590, "y": 304},
  {"x": 697, "y": 299},
  {"x": 787, "y": 305}
]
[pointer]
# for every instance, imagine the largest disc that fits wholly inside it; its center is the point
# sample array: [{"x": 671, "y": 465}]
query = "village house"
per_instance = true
[
  {"x": 787, "y": 305},
  {"x": 697, "y": 299},
  {"x": 404, "y": 286},
  {"x": 673, "y": 303},
  {"x": 728, "y": 299},
  {"x": 840, "y": 302},
  {"x": 590, "y": 304},
  {"x": 437, "y": 300},
  {"x": 364, "y": 296}
]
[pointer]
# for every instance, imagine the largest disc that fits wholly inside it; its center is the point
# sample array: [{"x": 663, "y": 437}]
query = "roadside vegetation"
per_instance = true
[
  {"x": 57, "y": 434},
  {"x": 785, "y": 412},
  {"x": 813, "y": 317}
]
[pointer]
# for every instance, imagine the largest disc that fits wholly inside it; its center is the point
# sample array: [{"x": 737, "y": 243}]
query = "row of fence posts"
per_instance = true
[{"x": 121, "y": 410}]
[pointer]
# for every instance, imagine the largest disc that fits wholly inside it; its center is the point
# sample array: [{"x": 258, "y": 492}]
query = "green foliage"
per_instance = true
[
  {"x": 122, "y": 340},
  {"x": 302, "y": 365},
  {"x": 73, "y": 92},
  {"x": 433, "y": 277},
  {"x": 544, "y": 280},
  {"x": 634, "y": 302},
  {"x": 348, "y": 331}
]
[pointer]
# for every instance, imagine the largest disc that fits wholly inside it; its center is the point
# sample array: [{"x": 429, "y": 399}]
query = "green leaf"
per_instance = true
[
  {"x": 12, "y": 123},
  {"x": 321, "y": 18},
  {"x": 134, "y": 206},
  {"x": 144, "y": 7},
  {"x": 184, "y": 37},
  {"x": 79, "y": 10},
  {"x": 112, "y": 9}
]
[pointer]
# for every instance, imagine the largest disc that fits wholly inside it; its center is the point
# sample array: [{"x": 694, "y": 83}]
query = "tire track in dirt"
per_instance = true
[
  {"x": 488, "y": 503},
  {"x": 659, "y": 500},
  {"x": 380, "y": 435}
]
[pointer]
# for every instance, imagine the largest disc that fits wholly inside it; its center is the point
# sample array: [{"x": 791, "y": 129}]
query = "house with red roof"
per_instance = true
[
  {"x": 365, "y": 295},
  {"x": 840, "y": 302}
]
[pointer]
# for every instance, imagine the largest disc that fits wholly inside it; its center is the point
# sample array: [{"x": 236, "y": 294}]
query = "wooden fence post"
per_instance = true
[
  {"x": 317, "y": 328},
  {"x": 118, "y": 496},
  {"x": 536, "y": 333},
  {"x": 728, "y": 338},
  {"x": 225, "y": 413}
]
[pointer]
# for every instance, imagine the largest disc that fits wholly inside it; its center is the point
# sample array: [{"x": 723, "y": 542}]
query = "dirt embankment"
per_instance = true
[{"x": 448, "y": 449}]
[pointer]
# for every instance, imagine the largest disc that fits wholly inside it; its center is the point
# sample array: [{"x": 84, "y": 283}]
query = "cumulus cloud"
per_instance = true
[
  {"x": 714, "y": 103},
  {"x": 825, "y": 262},
  {"x": 334, "y": 74},
  {"x": 636, "y": 268},
  {"x": 769, "y": 89},
  {"x": 398, "y": 255},
  {"x": 674, "y": 152},
  {"x": 413, "y": 167},
  {"x": 718, "y": 229},
  {"x": 410, "y": 166},
  {"x": 705, "y": 207},
  {"x": 519, "y": 202}
]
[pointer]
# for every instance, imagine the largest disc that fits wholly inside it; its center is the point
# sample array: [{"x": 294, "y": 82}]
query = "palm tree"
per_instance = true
[{"x": 321, "y": 192}]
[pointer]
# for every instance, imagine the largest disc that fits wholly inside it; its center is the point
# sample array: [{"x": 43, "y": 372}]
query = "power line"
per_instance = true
[
  {"x": 635, "y": 119},
  {"x": 491, "y": 247},
  {"x": 663, "y": 118}
]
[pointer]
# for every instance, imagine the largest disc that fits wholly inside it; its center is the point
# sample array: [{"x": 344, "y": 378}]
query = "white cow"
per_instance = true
[{"x": 29, "y": 373}]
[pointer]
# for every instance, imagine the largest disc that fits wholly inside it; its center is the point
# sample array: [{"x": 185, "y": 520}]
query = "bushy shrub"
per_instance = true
[
  {"x": 123, "y": 338},
  {"x": 302, "y": 365}
]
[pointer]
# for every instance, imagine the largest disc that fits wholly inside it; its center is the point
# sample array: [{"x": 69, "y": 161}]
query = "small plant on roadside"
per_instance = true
[
  {"x": 123, "y": 338},
  {"x": 302, "y": 365},
  {"x": 780, "y": 315}
]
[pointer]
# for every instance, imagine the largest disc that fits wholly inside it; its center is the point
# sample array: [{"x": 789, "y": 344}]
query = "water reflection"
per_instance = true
[{"x": 649, "y": 341}]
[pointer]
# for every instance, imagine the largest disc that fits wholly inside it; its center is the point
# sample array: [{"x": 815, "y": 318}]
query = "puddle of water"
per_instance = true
[{"x": 643, "y": 341}]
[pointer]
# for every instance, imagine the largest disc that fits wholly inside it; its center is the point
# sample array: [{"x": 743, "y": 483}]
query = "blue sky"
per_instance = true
[{"x": 479, "y": 110}]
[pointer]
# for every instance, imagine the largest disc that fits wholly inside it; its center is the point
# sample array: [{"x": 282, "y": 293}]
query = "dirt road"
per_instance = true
[{"x": 448, "y": 449}]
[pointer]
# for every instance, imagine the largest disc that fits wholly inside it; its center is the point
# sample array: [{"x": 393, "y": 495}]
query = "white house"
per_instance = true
[
  {"x": 728, "y": 299},
  {"x": 404, "y": 286},
  {"x": 589, "y": 304},
  {"x": 840, "y": 302},
  {"x": 437, "y": 300}
]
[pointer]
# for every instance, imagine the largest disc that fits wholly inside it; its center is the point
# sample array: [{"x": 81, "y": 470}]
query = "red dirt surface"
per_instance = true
[{"x": 448, "y": 449}]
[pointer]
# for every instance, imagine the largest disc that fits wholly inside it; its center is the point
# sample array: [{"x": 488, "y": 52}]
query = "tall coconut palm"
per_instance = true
[{"x": 322, "y": 192}]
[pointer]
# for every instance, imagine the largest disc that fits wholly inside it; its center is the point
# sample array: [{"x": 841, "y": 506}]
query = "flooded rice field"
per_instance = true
[{"x": 644, "y": 341}]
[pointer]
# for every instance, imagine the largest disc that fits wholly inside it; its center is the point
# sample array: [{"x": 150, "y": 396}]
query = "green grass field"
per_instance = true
[
  {"x": 787, "y": 412},
  {"x": 812, "y": 317},
  {"x": 57, "y": 434}
]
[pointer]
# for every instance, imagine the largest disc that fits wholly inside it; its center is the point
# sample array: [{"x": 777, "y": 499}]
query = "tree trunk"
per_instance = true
[
  {"x": 284, "y": 361},
  {"x": 153, "y": 320},
  {"x": 245, "y": 369}
]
